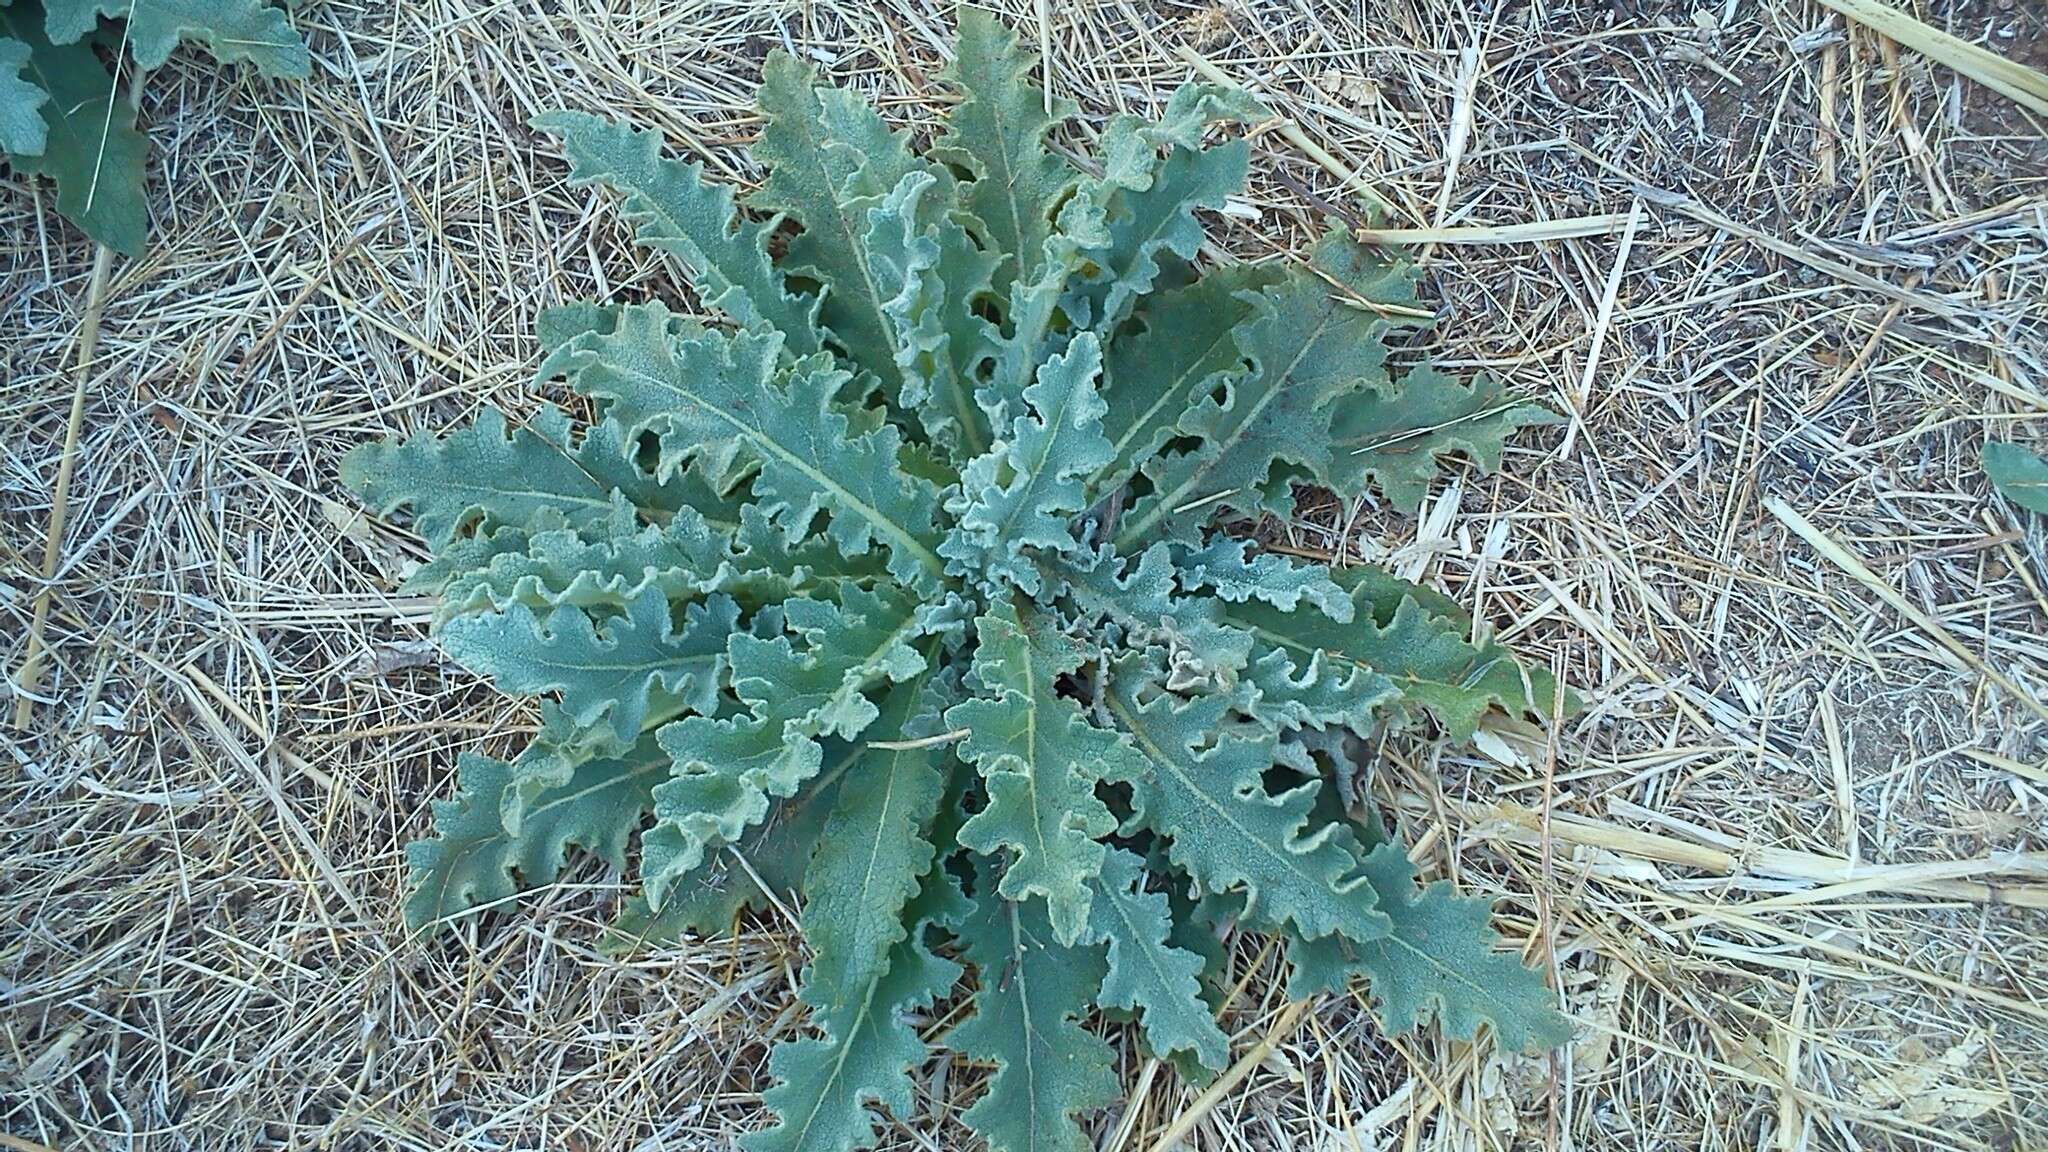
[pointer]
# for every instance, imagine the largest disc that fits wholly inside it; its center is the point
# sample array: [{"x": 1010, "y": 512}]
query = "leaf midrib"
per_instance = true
[
  {"x": 1167, "y": 394},
  {"x": 898, "y": 535},
  {"x": 1158, "y": 756},
  {"x": 1168, "y": 501}
]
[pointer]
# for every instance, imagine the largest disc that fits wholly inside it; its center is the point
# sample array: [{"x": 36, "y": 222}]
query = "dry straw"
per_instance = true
[{"x": 1785, "y": 868}]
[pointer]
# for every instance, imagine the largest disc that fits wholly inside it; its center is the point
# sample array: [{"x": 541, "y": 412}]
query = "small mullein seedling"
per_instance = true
[
  {"x": 902, "y": 594},
  {"x": 62, "y": 115}
]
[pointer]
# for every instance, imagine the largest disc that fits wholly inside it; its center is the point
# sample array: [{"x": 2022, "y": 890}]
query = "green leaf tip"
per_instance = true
[{"x": 895, "y": 590}]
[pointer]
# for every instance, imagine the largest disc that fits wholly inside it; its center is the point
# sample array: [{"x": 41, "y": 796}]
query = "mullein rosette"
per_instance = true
[{"x": 904, "y": 586}]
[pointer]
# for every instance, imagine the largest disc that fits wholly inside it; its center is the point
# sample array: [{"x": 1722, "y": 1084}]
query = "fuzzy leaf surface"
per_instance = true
[
  {"x": 22, "y": 129},
  {"x": 1040, "y": 760},
  {"x": 674, "y": 210},
  {"x": 1307, "y": 345},
  {"x": 864, "y": 873},
  {"x": 640, "y": 667},
  {"x": 1020, "y": 498},
  {"x": 1428, "y": 658},
  {"x": 90, "y": 145},
  {"x": 1146, "y": 972},
  {"x": 998, "y": 131},
  {"x": 830, "y": 159},
  {"x": 1033, "y": 990},
  {"x": 1204, "y": 790},
  {"x": 1392, "y": 441},
  {"x": 234, "y": 31},
  {"x": 724, "y": 405},
  {"x": 728, "y": 768},
  {"x": 1441, "y": 960},
  {"x": 472, "y": 860}
]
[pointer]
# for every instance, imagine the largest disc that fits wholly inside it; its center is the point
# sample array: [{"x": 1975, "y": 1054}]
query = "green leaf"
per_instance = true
[
  {"x": 1238, "y": 574},
  {"x": 873, "y": 851},
  {"x": 728, "y": 768},
  {"x": 2018, "y": 475},
  {"x": 1035, "y": 328},
  {"x": 767, "y": 859},
  {"x": 1307, "y": 346},
  {"x": 474, "y": 861},
  {"x": 1184, "y": 349},
  {"x": 1018, "y": 500},
  {"x": 487, "y": 474},
  {"x": 673, "y": 210},
  {"x": 1161, "y": 218},
  {"x": 1033, "y": 990},
  {"x": 1393, "y": 440},
  {"x": 234, "y": 31},
  {"x": 724, "y": 404},
  {"x": 640, "y": 669},
  {"x": 91, "y": 148},
  {"x": 997, "y": 131},
  {"x": 864, "y": 873},
  {"x": 1146, "y": 971},
  {"x": 605, "y": 567},
  {"x": 830, "y": 158},
  {"x": 1437, "y": 670},
  {"x": 21, "y": 126},
  {"x": 1206, "y": 791},
  {"x": 869, "y": 1046},
  {"x": 1290, "y": 692},
  {"x": 1130, "y": 144},
  {"x": 1440, "y": 960},
  {"x": 925, "y": 266},
  {"x": 1040, "y": 760},
  {"x": 1141, "y": 595}
]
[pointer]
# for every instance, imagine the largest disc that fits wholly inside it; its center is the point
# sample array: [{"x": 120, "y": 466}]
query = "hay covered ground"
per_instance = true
[{"x": 1787, "y": 868}]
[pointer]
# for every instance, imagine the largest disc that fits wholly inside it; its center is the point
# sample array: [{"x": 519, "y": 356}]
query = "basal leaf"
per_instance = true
[
  {"x": 1146, "y": 972},
  {"x": 1161, "y": 218},
  {"x": 1184, "y": 349},
  {"x": 1392, "y": 441},
  {"x": 1429, "y": 658},
  {"x": 768, "y": 859},
  {"x": 869, "y": 1044},
  {"x": 234, "y": 31},
  {"x": 725, "y": 406},
  {"x": 830, "y": 159},
  {"x": 90, "y": 147},
  {"x": 1142, "y": 595},
  {"x": 1018, "y": 499},
  {"x": 473, "y": 860},
  {"x": 1040, "y": 760},
  {"x": 998, "y": 132},
  {"x": 674, "y": 210},
  {"x": 1033, "y": 990},
  {"x": 483, "y": 475},
  {"x": 728, "y": 768},
  {"x": 1308, "y": 345},
  {"x": 865, "y": 871},
  {"x": 1130, "y": 144},
  {"x": 640, "y": 669},
  {"x": 1440, "y": 960},
  {"x": 1205, "y": 791},
  {"x": 1237, "y": 572},
  {"x": 21, "y": 123},
  {"x": 926, "y": 267}
]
